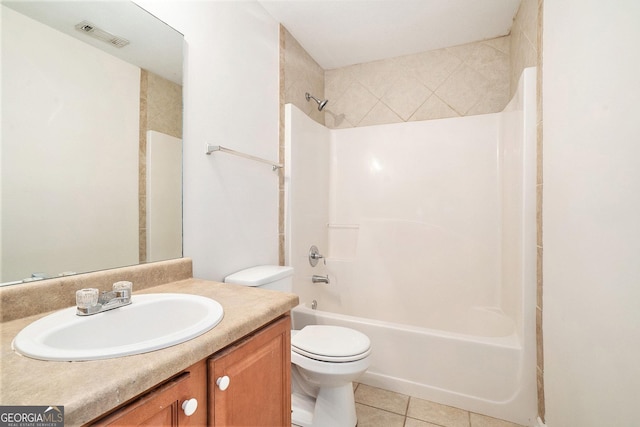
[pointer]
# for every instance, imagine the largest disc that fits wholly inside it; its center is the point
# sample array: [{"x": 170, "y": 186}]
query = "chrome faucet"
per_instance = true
[
  {"x": 320, "y": 279},
  {"x": 90, "y": 301}
]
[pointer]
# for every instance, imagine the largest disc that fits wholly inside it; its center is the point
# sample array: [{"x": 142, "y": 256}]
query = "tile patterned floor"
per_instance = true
[{"x": 376, "y": 407}]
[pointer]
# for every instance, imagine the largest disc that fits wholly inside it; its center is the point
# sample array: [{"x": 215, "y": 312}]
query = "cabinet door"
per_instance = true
[
  {"x": 163, "y": 406},
  {"x": 259, "y": 380}
]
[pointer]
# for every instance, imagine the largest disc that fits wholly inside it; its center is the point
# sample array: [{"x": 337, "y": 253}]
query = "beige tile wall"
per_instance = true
[
  {"x": 301, "y": 74},
  {"x": 524, "y": 39},
  {"x": 160, "y": 110},
  {"x": 164, "y": 106},
  {"x": 458, "y": 81}
]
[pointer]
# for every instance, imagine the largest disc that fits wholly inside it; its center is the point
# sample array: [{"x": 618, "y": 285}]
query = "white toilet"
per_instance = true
[{"x": 324, "y": 359}]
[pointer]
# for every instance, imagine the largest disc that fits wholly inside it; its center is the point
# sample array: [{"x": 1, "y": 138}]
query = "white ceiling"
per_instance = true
[{"x": 337, "y": 33}]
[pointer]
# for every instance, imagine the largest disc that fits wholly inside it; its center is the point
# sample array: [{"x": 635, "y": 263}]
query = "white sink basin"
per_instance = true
[{"x": 151, "y": 322}]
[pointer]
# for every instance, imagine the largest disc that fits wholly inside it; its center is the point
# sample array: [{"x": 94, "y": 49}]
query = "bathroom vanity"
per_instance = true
[
  {"x": 244, "y": 384},
  {"x": 239, "y": 371}
]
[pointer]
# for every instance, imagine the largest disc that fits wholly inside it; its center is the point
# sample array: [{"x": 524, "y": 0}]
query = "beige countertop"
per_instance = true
[{"x": 89, "y": 389}]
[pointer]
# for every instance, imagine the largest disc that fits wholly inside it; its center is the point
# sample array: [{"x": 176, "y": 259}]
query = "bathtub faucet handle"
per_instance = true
[{"x": 314, "y": 256}]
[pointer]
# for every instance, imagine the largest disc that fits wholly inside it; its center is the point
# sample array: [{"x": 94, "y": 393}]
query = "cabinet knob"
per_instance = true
[
  {"x": 189, "y": 406},
  {"x": 223, "y": 382}
]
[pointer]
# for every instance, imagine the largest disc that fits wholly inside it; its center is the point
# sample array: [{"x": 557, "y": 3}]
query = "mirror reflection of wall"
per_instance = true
[
  {"x": 74, "y": 153},
  {"x": 160, "y": 183}
]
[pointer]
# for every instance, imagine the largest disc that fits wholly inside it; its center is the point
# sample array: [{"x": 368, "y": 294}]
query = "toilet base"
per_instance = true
[{"x": 333, "y": 407}]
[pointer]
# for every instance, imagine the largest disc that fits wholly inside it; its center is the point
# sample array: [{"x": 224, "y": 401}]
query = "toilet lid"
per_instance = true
[{"x": 330, "y": 343}]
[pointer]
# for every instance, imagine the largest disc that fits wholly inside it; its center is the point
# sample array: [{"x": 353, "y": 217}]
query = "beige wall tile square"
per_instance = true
[
  {"x": 405, "y": 95},
  {"x": 462, "y": 51},
  {"x": 432, "y": 68},
  {"x": 490, "y": 62},
  {"x": 495, "y": 97},
  {"x": 336, "y": 82},
  {"x": 433, "y": 108},
  {"x": 462, "y": 89},
  {"x": 503, "y": 44},
  {"x": 378, "y": 76},
  {"x": 380, "y": 113},
  {"x": 164, "y": 106},
  {"x": 356, "y": 102}
]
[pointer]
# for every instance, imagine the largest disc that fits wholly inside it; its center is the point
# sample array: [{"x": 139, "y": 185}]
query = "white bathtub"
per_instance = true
[{"x": 481, "y": 374}]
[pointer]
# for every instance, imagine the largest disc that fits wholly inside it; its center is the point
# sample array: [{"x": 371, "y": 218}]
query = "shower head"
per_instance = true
[{"x": 321, "y": 104}]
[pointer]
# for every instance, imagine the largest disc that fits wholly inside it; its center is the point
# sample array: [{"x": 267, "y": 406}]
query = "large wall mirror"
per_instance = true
[{"x": 91, "y": 149}]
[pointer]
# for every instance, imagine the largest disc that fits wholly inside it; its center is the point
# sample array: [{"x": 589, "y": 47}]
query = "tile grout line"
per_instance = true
[{"x": 381, "y": 409}]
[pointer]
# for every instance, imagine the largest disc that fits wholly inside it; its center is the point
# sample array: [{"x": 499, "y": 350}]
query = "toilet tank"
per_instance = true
[{"x": 276, "y": 277}]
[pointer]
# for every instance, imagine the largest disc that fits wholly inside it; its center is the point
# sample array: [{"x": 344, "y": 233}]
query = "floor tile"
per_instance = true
[
  {"x": 478, "y": 420},
  {"x": 374, "y": 417},
  {"x": 383, "y": 399},
  {"x": 432, "y": 412},
  {"x": 412, "y": 422}
]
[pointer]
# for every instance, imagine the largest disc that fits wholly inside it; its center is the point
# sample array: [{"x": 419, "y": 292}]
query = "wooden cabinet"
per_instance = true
[
  {"x": 258, "y": 393},
  {"x": 163, "y": 406},
  {"x": 249, "y": 382}
]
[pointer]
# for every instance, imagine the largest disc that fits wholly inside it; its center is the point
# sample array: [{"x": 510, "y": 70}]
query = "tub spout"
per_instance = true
[{"x": 320, "y": 279}]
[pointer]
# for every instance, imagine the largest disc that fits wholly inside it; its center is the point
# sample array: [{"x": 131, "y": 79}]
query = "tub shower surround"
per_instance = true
[{"x": 434, "y": 222}]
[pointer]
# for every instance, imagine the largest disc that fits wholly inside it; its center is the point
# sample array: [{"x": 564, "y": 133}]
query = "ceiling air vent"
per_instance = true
[{"x": 100, "y": 34}]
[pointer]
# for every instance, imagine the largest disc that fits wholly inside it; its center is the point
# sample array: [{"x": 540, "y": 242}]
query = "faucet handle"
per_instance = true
[
  {"x": 123, "y": 286},
  {"x": 123, "y": 290},
  {"x": 314, "y": 256},
  {"x": 87, "y": 298}
]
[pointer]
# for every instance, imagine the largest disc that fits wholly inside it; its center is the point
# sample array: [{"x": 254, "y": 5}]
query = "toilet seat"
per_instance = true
[{"x": 330, "y": 343}]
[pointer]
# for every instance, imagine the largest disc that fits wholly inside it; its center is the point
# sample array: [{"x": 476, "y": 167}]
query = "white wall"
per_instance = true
[
  {"x": 54, "y": 145},
  {"x": 591, "y": 212},
  {"x": 231, "y": 92}
]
